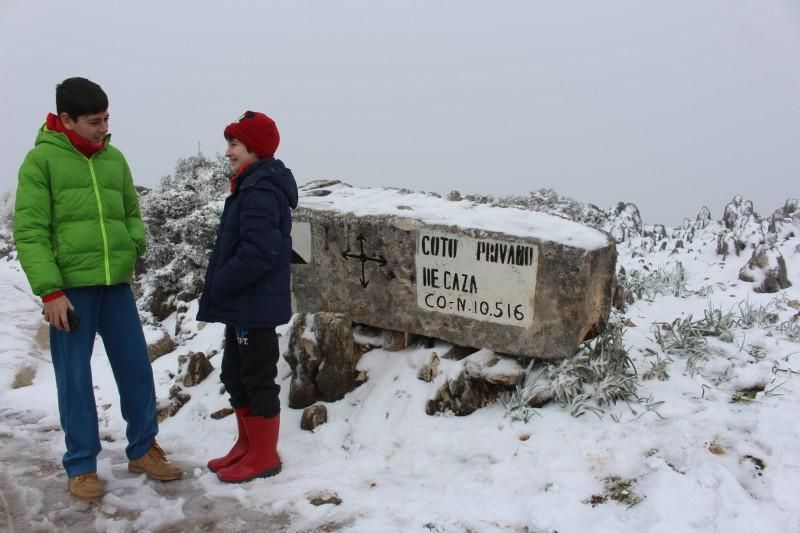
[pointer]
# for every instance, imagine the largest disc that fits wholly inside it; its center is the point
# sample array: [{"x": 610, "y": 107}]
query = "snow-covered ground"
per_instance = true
[{"x": 720, "y": 453}]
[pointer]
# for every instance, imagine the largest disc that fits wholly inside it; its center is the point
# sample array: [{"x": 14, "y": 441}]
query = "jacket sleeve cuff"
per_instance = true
[{"x": 52, "y": 296}]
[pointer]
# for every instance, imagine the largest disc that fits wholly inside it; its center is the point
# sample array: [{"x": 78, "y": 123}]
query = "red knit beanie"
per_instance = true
[{"x": 256, "y": 131}]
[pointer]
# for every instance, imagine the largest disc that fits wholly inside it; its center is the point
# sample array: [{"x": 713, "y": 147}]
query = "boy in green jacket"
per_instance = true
[{"x": 78, "y": 233}]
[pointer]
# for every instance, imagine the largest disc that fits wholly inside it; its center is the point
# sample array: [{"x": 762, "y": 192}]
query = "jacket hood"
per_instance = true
[{"x": 274, "y": 171}]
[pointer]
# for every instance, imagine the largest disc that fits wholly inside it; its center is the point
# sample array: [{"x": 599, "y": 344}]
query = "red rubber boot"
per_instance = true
[
  {"x": 261, "y": 459},
  {"x": 240, "y": 447}
]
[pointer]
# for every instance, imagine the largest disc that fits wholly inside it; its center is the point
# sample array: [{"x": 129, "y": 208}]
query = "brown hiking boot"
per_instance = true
[
  {"x": 86, "y": 487},
  {"x": 154, "y": 463}
]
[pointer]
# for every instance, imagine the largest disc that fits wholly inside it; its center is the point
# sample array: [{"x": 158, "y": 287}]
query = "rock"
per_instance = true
[
  {"x": 493, "y": 369},
  {"x": 313, "y": 417},
  {"x": 462, "y": 395},
  {"x": 394, "y": 341},
  {"x": 222, "y": 413},
  {"x": 744, "y": 226},
  {"x": 304, "y": 358},
  {"x": 766, "y": 269},
  {"x": 322, "y": 358},
  {"x": 457, "y": 353},
  {"x": 628, "y": 222},
  {"x": 786, "y": 220},
  {"x": 194, "y": 368},
  {"x": 162, "y": 346},
  {"x": 177, "y": 399},
  {"x": 366, "y": 338},
  {"x": 537, "y": 294},
  {"x": 736, "y": 209},
  {"x": 360, "y": 349},
  {"x": 429, "y": 370},
  {"x": 703, "y": 218},
  {"x": 623, "y": 296},
  {"x": 421, "y": 341},
  {"x": 726, "y": 244},
  {"x": 324, "y": 498},
  {"x": 23, "y": 377},
  {"x": 181, "y": 308},
  {"x": 160, "y": 303},
  {"x": 186, "y": 296},
  {"x": 336, "y": 375},
  {"x": 484, "y": 375}
]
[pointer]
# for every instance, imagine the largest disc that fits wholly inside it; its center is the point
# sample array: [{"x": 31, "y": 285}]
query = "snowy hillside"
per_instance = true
[{"x": 681, "y": 418}]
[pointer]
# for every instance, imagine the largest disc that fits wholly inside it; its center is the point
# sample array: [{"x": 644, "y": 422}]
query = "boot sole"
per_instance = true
[
  {"x": 268, "y": 473},
  {"x": 139, "y": 470},
  {"x": 87, "y": 498}
]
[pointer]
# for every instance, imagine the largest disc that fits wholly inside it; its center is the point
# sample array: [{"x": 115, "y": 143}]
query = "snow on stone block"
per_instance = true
[{"x": 513, "y": 281}]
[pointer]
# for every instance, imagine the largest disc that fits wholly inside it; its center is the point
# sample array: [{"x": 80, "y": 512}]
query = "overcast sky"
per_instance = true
[{"x": 669, "y": 105}]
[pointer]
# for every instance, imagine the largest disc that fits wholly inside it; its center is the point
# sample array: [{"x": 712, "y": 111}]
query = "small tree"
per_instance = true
[{"x": 181, "y": 218}]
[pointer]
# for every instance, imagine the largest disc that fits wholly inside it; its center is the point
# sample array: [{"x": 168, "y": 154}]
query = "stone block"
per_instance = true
[{"x": 514, "y": 281}]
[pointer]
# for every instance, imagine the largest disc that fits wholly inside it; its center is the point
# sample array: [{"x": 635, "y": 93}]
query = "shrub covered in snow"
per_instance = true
[
  {"x": 6, "y": 218},
  {"x": 181, "y": 218}
]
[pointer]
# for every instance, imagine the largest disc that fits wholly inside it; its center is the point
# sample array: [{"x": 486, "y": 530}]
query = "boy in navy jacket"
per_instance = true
[{"x": 247, "y": 289}]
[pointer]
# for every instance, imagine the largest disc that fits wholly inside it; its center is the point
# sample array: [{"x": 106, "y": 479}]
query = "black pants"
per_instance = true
[{"x": 249, "y": 369}]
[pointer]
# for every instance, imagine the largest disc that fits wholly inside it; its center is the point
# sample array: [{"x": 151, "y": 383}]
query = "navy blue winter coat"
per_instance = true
[{"x": 247, "y": 281}]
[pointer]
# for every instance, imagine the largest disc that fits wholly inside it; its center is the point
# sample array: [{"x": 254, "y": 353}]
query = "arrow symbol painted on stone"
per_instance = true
[{"x": 363, "y": 257}]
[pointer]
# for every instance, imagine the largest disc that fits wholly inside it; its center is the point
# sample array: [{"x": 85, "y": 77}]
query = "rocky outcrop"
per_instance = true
[
  {"x": 727, "y": 244},
  {"x": 743, "y": 228},
  {"x": 627, "y": 222},
  {"x": 736, "y": 211},
  {"x": 786, "y": 220},
  {"x": 703, "y": 218},
  {"x": 766, "y": 269}
]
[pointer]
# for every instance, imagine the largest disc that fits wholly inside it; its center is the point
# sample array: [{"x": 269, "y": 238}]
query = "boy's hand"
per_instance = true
[{"x": 55, "y": 312}]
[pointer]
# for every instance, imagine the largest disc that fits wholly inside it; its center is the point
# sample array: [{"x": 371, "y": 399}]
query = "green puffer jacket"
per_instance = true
[{"x": 77, "y": 220}]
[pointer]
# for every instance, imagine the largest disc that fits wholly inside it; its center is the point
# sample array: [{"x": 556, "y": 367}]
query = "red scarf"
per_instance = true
[
  {"x": 235, "y": 176},
  {"x": 81, "y": 144}
]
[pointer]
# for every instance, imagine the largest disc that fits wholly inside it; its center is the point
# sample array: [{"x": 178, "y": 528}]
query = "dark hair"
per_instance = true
[{"x": 79, "y": 96}]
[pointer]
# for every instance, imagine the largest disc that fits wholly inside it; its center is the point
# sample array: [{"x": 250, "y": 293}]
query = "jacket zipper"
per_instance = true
[{"x": 102, "y": 223}]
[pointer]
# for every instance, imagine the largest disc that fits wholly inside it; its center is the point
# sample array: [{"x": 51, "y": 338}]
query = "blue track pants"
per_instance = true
[{"x": 110, "y": 312}]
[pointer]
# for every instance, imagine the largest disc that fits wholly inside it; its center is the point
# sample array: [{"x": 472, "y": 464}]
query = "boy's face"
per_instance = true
[
  {"x": 239, "y": 155},
  {"x": 92, "y": 127}
]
